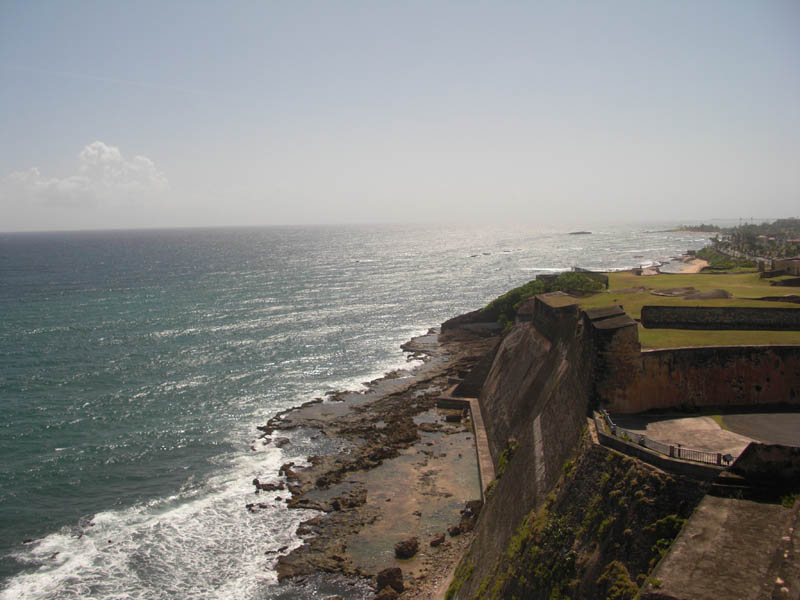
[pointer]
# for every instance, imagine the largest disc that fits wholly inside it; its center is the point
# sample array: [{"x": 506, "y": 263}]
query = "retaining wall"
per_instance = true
[
  {"x": 536, "y": 398},
  {"x": 709, "y": 376},
  {"x": 719, "y": 317},
  {"x": 680, "y": 467}
]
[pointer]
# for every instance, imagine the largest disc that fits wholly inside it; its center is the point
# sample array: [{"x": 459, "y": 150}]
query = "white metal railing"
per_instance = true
[{"x": 671, "y": 450}]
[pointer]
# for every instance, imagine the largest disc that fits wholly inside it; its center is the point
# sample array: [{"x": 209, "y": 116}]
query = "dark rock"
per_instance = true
[
  {"x": 272, "y": 487},
  {"x": 305, "y": 529},
  {"x": 406, "y": 548},
  {"x": 286, "y": 469},
  {"x": 469, "y": 515},
  {"x": 391, "y": 577},
  {"x": 350, "y": 500},
  {"x": 282, "y": 442},
  {"x": 386, "y": 593},
  {"x": 454, "y": 530},
  {"x": 438, "y": 540},
  {"x": 430, "y": 427}
]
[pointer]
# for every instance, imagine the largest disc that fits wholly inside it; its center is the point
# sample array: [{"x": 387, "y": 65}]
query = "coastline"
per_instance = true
[
  {"x": 404, "y": 469},
  {"x": 370, "y": 494},
  {"x": 694, "y": 265}
]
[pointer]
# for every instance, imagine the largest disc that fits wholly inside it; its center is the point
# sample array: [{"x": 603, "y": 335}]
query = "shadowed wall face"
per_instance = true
[
  {"x": 717, "y": 318},
  {"x": 696, "y": 377}
]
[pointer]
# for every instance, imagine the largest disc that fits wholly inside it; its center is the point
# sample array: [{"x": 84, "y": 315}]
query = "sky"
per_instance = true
[{"x": 551, "y": 114}]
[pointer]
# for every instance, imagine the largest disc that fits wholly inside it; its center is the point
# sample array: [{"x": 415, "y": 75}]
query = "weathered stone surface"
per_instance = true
[
  {"x": 391, "y": 577},
  {"x": 712, "y": 376},
  {"x": 386, "y": 593},
  {"x": 769, "y": 465},
  {"x": 406, "y": 548},
  {"x": 469, "y": 516},
  {"x": 727, "y": 549},
  {"x": 350, "y": 500},
  {"x": 437, "y": 540}
]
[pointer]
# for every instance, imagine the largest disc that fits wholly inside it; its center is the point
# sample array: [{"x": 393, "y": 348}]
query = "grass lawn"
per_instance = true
[{"x": 743, "y": 286}]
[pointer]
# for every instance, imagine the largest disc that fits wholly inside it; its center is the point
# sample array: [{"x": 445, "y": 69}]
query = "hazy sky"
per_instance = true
[{"x": 167, "y": 113}]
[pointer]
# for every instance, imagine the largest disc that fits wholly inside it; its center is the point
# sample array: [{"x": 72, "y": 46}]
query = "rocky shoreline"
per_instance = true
[{"x": 406, "y": 471}]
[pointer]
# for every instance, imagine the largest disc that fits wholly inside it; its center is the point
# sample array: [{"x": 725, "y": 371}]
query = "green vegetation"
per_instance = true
[
  {"x": 719, "y": 420},
  {"x": 618, "y": 582},
  {"x": 587, "y": 521},
  {"x": 490, "y": 488},
  {"x": 504, "y": 308},
  {"x": 632, "y": 292},
  {"x": 505, "y": 456},
  {"x": 718, "y": 261},
  {"x": 462, "y": 574},
  {"x": 789, "y": 500},
  {"x": 702, "y": 228},
  {"x": 775, "y": 239}
]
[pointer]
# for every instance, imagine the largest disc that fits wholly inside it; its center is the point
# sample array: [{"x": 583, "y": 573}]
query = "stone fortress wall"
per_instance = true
[
  {"x": 629, "y": 380},
  {"x": 720, "y": 318}
]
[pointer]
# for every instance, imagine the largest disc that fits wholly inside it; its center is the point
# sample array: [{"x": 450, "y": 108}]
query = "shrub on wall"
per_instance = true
[{"x": 504, "y": 308}]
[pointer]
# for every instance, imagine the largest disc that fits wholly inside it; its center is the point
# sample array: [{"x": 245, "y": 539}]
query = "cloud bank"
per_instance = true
[{"x": 104, "y": 176}]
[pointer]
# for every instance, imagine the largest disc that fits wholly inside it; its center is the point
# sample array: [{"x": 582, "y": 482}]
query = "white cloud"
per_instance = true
[{"x": 104, "y": 176}]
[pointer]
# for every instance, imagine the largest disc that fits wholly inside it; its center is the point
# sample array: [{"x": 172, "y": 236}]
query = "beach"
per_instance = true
[{"x": 695, "y": 265}]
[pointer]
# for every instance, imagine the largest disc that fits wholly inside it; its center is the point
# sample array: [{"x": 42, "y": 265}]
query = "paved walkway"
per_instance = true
[
  {"x": 697, "y": 433},
  {"x": 769, "y": 428}
]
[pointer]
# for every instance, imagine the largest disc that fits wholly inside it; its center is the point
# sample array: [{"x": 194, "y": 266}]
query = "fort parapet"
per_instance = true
[
  {"x": 720, "y": 318},
  {"x": 627, "y": 379}
]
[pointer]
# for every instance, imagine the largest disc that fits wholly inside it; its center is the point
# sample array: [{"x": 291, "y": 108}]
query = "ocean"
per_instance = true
[{"x": 135, "y": 367}]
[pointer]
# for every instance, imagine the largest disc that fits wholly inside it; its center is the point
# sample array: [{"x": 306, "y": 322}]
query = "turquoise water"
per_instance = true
[{"x": 136, "y": 365}]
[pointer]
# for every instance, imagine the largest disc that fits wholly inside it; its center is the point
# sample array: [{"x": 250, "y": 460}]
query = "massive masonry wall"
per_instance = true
[
  {"x": 546, "y": 373},
  {"x": 718, "y": 317},
  {"x": 537, "y": 394},
  {"x": 710, "y": 376}
]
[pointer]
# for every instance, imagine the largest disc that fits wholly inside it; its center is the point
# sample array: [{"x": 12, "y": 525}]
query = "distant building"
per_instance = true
[{"x": 790, "y": 265}]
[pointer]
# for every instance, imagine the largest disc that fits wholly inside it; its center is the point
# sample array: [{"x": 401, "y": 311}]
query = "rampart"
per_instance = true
[
  {"x": 534, "y": 404},
  {"x": 553, "y": 313},
  {"x": 625, "y": 379},
  {"x": 536, "y": 395},
  {"x": 793, "y": 282},
  {"x": 708, "y": 376},
  {"x": 718, "y": 317}
]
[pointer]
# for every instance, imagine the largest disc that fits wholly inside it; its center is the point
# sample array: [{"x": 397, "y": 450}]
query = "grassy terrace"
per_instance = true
[{"x": 627, "y": 290}]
